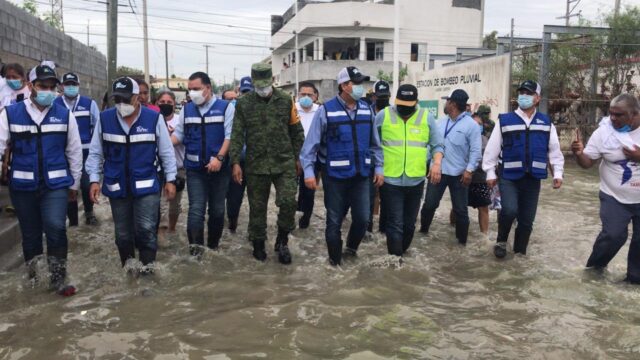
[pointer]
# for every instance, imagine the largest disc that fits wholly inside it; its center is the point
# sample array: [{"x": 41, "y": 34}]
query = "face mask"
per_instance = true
[
  {"x": 233, "y": 102},
  {"x": 357, "y": 91},
  {"x": 45, "y": 97},
  {"x": 525, "y": 101},
  {"x": 125, "y": 109},
  {"x": 264, "y": 92},
  {"x": 15, "y": 84},
  {"x": 625, "y": 129},
  {"x": 382, "y": 103},
  {"x": 197, "y": 96},
  {"x": 306, "y": 102},
  {"x": 166, "y": 109},
  {"x": 71, "y": 91},
  {"x": 405, "y": 111}
]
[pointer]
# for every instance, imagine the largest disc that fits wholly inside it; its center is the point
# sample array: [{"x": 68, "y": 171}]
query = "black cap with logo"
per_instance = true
[
  {"x": 70, "y": 78},
  {"x": 458, "y": 96},
  {"x": 42, "y": 73},
  {"x": 381, "y": 88},
  {"x": 407, "y": 95},
  {"x": 125, "y": 87}
]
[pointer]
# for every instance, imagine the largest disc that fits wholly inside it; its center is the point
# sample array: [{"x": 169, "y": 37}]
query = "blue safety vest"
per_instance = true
[
  {"x": 38, "y": 152},
  {"x": 524, "y": 149},
  {"x": 82, "y": 113},
  {"x": 129, "y": 159},
  {"x": 203, "y": 133},
  {"x": 348, "y": 140}
]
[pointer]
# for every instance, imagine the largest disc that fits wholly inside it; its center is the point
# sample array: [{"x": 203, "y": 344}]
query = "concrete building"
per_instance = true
[{"x": 339, "y": 33}]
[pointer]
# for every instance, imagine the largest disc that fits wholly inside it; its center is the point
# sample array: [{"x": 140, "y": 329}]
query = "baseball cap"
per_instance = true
[
  {"x": 125, "y": 87},
  {"x": 407, "y": 95},
  {"x": 70, "y": 77},
  {"x": 246, "y": 84},
  {"x": 381, "y": 88},
  {"x": 532, "y": 86},
  {"x": 42, "y": 72},
  {"x": 484, "y": 109},
  {"x": 458, "y": 96},
  {"x": 261, "y": 75},
  {"x": 351, "y": 73}
]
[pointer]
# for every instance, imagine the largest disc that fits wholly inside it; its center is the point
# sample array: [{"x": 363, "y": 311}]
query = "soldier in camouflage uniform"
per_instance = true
[
  {"x": 266, "y": 121},
  {"x": 484, "y": 111}
]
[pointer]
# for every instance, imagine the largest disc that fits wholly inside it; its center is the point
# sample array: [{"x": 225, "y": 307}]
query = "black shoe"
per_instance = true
[
  {"x": 500, "y": 250},
  {"x": 258, "y": 251},
  {"x": 90, "y": 219},
  {"x": 304, "y": 221},
  {"x": 349, "y": 253},
  {"x": 233, "y": 224}
]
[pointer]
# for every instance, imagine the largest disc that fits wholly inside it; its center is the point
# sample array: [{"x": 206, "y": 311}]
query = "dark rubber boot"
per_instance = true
[
  {"x": 521, "y": 241},
  {"x": 500, "y": 249},
  {"x": 258, "y": 251},
  {"x": 215, "y": 233},
  {"x": 282, "y": 248},
  {"x": 462, "y": 233},
  {"x": 57, "y": 259},
  {"x": 233, "y": 224},
  {"x": 72, "y": 213},
  {"x": 196, "y": 242},
  {"x": 406, "y": 242},
  {"x": 335, "y": 253},
  {"x": 304, "y": 221},
  {"x": 90, "y": 219},
  {"x": 126, "y": 253}
]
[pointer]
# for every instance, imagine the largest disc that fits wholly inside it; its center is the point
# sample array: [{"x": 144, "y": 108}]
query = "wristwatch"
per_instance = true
[{"x": 220, "y": 157}]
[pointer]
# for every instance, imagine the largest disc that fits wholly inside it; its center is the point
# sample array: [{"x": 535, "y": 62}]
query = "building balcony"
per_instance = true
[{"x": 316, "y": 70}]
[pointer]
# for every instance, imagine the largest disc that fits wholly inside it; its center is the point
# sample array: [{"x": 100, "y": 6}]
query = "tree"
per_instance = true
[
  {"x": 30, "y": 6},
  {"x": 53, "y": 20},
  {"x": 128, "y": 71},
  {"x": 622, "y": 48},
  {"x": 490, "y": 40},
  {"x": 404, "y": 71},
  {"x": 173, "y": 76}
]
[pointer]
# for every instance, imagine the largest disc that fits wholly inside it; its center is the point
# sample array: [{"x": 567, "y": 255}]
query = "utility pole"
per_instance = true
[
  {"x": 234, "y": 76},
  {"x": 510, "y": 63},
  {"x": 206, "y": 48},
  {"x": 617, "y": 8},
  {"x": 166, "y": 60},
  {"x": 112, "y": 41},
  {"x": 88, "y": 44},
  {"x": 297, "y": 57},
  {"x": 569, "y": 13},
  {"x": 146, "y": 40},
  {"x": 396, "y": 48}
]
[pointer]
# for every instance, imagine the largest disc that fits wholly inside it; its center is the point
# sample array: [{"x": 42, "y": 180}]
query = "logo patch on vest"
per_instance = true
[
  {"x": 54, "y": 119},
  {"x": 141, "y": 129},
  {"x": 81, "y": 108},
  {"x": 415, "y": 131},
  {"x": 539, "y": 121}
]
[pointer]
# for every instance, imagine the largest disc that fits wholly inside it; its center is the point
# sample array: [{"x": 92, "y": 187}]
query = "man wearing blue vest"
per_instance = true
[
  {"x": 343, "y": 138},
  {"x": 46, "y": 166},
  {"x": 527, "y": 142},
  {"x": 87, "y": 113},
  {"x": 126, "y": 143},
  {"x": 462, "y": 154},
  {"x": 204, "y": 127}
]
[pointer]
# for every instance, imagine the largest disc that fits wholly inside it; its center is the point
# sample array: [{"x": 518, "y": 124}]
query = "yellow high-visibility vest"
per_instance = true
[{"x": 404, "y": 144}]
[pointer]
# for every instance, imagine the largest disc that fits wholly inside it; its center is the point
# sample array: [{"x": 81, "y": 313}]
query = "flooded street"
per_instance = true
[{"x": 443, "y": 302}]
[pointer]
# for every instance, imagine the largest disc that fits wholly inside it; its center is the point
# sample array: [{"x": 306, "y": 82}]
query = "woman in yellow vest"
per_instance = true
[{"x": 408, "y": 135}]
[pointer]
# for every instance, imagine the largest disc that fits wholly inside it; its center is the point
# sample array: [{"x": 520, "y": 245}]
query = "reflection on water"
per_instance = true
[{"x": 442, "y": 302}]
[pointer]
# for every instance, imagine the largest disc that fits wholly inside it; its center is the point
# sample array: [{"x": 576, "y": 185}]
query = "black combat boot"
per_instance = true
[
  {"x": 282, "y": 248},
  {"x": 258, "y": 250},
  {"x": 196, "y": 242},
  {"x": 521, "y": 241}
]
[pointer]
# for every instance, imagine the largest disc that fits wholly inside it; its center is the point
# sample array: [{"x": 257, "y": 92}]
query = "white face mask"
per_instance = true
[
  {"x": 125, "y": 109},
  {"x": 197, "y": 96},
  {"x": 265, "y": 91}
]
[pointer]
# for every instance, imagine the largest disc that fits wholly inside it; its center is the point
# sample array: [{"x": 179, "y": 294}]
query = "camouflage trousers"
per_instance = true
[{"x": 258, "y": 190}]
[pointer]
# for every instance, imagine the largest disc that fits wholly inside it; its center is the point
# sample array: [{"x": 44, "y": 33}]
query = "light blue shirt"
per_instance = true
[
  {"x": 94, "y": 111},
  {"x": 462, "y": 144},
  {"x": 93, "y": 165},
  {"x": 178, "y": 132},
  {"x": 435, "y": 146},
  {"x": 314, "y": 143}
]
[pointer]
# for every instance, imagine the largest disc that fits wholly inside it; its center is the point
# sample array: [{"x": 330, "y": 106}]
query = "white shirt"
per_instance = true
[
  {"x": 9, "y": 96},
  {"x": 619, "y": 177},
  {"x": 306, "y": 117},
  {"x": 73, "y": 152},
  {"x": 179, "y": 149},
  {"x": 494, "y": 149}
]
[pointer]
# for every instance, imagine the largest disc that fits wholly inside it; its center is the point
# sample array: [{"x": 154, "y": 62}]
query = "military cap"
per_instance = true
[{"x": 261, "y": 75}]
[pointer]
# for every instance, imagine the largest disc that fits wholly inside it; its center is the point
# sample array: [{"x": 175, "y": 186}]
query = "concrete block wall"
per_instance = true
[{"x": 27, "y": 40}]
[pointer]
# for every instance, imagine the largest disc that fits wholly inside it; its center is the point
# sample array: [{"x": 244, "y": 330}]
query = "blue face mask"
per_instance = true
[
  {"x": 357, "y": 91},
  {"x": 15, "y": 84},
  {"x": 306, "y": 102},
  {"x": 71, "y": 91},
  {"x": 233, "y": 102},
  {"x": 45, "y": 97},
  {"x": 625, "y": 129},
  {"x": 525, "y": 101}
]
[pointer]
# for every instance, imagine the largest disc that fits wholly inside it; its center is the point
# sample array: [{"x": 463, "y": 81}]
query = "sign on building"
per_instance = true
[{"x": 485, "y": 80}]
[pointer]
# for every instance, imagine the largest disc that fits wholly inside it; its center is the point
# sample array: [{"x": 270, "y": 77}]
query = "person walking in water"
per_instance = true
[{"x": 617, "y": 143}]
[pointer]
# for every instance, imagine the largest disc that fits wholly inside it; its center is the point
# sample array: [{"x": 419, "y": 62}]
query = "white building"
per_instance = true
[{"x": 339, "y": 33}]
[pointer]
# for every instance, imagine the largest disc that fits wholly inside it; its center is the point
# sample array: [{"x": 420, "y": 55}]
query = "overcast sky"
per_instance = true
[{"x": 239, "y": 31}]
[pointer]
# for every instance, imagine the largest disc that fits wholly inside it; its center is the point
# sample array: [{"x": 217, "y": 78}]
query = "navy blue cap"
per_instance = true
[{"x": 246, "y": 84}]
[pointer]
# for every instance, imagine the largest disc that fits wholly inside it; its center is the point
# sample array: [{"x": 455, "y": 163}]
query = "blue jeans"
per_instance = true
[
  {"x": 402, "y": 204},
  {"x": 519, "y": 201},
  {"x": 207, "y": 189},
  {"x": 459, "y": 200},
  {"x": 338, "y": 196},
  {"x": 235, "y": 194},
  {"x": 135, "y": 221},
  {"x": 41, "y": 211},
  {"x": 615, "y": 218},
  {"x": 72, "y": 211}
]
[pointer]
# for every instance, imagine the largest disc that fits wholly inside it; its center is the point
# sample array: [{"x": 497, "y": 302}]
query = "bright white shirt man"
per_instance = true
[{"x": 528, "y": 143}]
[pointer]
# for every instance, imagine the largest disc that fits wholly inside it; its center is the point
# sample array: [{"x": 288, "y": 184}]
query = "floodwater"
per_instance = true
[{"x": 442, "y": 302}]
